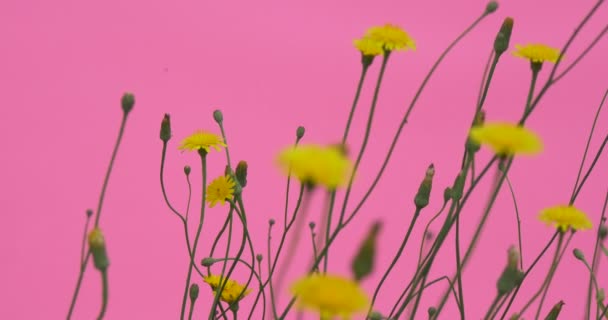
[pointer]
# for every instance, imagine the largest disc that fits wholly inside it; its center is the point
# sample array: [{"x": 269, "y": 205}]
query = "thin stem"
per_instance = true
[
  {"x": 593, "y": 163},
  {"x": 521, "y": 252},
  {"x": 364, "y": 69},
  {"x": 582, "y": 55},
  {"x": 595, "y": 258},
  {"x": 426, "y": 230},
  {"x": 435, "y": 281},
  {"x": 485, "y": 75},
  {"x": 330, "y": 207},
  {"x": 535, "y": 72},
  {"x": 219, "y": 235},
  {"x": 83, "y": 268},
  {"x": 395, "y": 259},
  {"x": 190, "y": 311},
  {"x": 273, "y": 305},
  {"x": 106, "y": 179},
  {"x": 104, "y": 294},
  {"x": 221, "y": 125},
  {"x": 407, "y": 115},
  {"x": 84, "y": 240},
  {"x": 492, "y": 306},
  {"x": 459, "y": 268},
  {"x": 580, "y": 169},
  {"x": 189, "y": 198}
]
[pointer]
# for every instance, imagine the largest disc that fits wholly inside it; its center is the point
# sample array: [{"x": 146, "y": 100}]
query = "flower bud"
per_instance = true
[
  {"x": 375, "y": 315},
  {"x": 501, "y": 43},
  {"x": 165, "y": 128},
  {"x": 218, "y": 116},
  {"x": 300, "y": 132},
  {"x": 127, "y": 102},
  {"x": 259, "y": 257},
  {"x": 554, "y": 313},
  {"x": 187, "y": 170},
  {"x": 603, "y": 231},
  {"x": 271, "y": 222},
  {"x": 363, "y": 264},
  {"x": 421, "y": 199},
  {"x": 89, "y": 213},
  {"x": 312, "y": 225},
  {"x": 241, "y": 173},
  {"x": 600, "y": 296},
  {"x": 97, "y": 245},
  {"x": 432, "y": 311},
  {"x": 513, "y": 258},
  {"x": 578, "y": 254},
  {"x": 511, "y": 276},
  {"x": 208, "y": 262},
  {"x": 458, "y": 186},
  {"x": 447, "y": 194},
  {"x": 491, "y": 7},
  {"x": 193, "y": 292}
]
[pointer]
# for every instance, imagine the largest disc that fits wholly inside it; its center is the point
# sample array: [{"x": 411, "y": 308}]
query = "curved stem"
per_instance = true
[
  {"x": 521, "y": 252},
  {"x": 219, "y": 235},
  {"x": 104, "y": 294},
  {"x": 364, "y": 69},
  {"x": 595, "y": 258},
  {"x": 426, "y": 230}
]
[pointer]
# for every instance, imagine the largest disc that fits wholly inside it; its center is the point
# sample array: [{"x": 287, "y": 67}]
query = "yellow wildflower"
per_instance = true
[
  {"x": 391, "y": 37},
  {"x": 369, "y": 46},
  {"x": 564, "y": 217},
  {"x": 506, "y": 139},
  {"x": 537, "y": 53},
  {"x": 232, "y": 289},
  {"x": 329, "y": 295},
  {"x": 316, "y": 165},
  {"x": 202, "y": 140},
  {"x": 219, "y": 190}
]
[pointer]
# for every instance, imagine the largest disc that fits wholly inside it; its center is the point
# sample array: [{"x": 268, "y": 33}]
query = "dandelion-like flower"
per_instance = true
[
  {"x": 202, "y": 140},
  {"x": 391, "y": 37},
  {"x": 565, "y": 217},
  {"x": 220, "y": 190},
  {"x": 536, "y": 53},
  {"x": 369, "y": 47},
  {"x": 316, "y": 165},
  {"x": 506, "y": 139},
  {"x": 232, "y": 289},
  {"x": 329, "y": 295}
]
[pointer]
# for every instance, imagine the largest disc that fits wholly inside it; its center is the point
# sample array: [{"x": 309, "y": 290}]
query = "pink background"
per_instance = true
[{"x": 270, "y": 66}]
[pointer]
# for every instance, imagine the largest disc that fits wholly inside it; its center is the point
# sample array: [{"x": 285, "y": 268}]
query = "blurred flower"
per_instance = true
[
  {"x": 219, "y": 190},
  {"x": 564, "y": 217},
  {"x": 202, "y": 140},
  {"x": 316, "y": 165},
  {"x": 537, "y": 53},
  {"x": 391, "y": 37},
  {"x": 329, "y": 295},
  {"x": 506, "y": 139},
  {"x": 369, "y": 46},
  {"x": 232, "y": 289}
]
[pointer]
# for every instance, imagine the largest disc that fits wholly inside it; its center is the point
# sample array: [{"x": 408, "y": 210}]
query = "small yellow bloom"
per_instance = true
[
  {"x": 564, "y": 217},
  {"x": 537, "y": 53},
  {"x": 391, "y": 37},
  {"x": 506, "y": 139},
  {"x": 369, "y": 46},
  {"x": 202, "y": 140},
  {"x": 330, "y": 295},
  {"x": 219, "y": 190},
  {"x": 317, "y": 165},
  {"x": 232, "y": 289}
]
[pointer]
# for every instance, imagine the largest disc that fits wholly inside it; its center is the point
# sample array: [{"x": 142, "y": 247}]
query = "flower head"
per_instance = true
[
  {"x": 314, "y": 164},
  {"x": 220, "y": 190},
  {"x": 369, "y": 46},
  {"x": 202, "y": 140},
  {"x": 329, "y": 295},
  {"x": 506, "y": 139},
  {"x": 232, "y": 289},
  {"x": 391, "y": 37},
  {"x": 565, "y": 217},
  {"x": 537, "y": 53}
]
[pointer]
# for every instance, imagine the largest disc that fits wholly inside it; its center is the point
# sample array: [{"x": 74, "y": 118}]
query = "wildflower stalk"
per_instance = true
[
  {"x": 535, "y": 72},
  {"x": 594, "y": 284},
  {"x": 591, "y": 167},
  {"x": 521, "y": 254},
  {"x": 395, "y": 258},
  {"x": 595, "y": 258},
  {"x": 426, "y": 229},
  {"x": 330, "y": 211},
  {"x": 203, "y": 155},
  {"x": 493, "y": 305},
  {"x": 407, "y": 115},
  {"x": 216, "y": 241},
  {"x": 104, "y": 294},
  {"x": 84, "y": 237},
  {"x": 364, "y": 68}
]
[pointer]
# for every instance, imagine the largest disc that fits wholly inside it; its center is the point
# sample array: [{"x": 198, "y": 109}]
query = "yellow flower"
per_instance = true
[
  {"x": 329, "y": 295},
  {"x": 506, "y": 139},
  {"x": 202, "y": 140},
  {"x": 369, "y": 46},
  {"x": 317, "y": 165},
  {"x": 232, "y": 289},
  {"x": 564, "y": 217},
  {"x": 537, "y": 53},
  {"x": 219, "y": 190},
  {"x": 391, "y": 37}
]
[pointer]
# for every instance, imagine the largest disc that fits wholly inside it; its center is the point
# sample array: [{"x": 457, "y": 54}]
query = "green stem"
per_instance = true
[
  {"x": 83, "y": 268},
  {"x": 593, "y": 163},
  {"x": 84, "y": 240},
  {"x": 104, "y": 294},
  {"x": 219, "y": 236},
  {"x": 190, "y": 311},
  {"x": 521, "y": 252},
  {"x": 584, "y": 53},
  {"x": 482, "y": 100},
  {"x": 395, "y": 258},
  {"x": 492, "y": 306},
  {"x": 364, "y": 69},
  {"x": 485, "y": 75},
  {"x": 330, "y": 207},
  {"x": 203, "y": 156},
  {"x": 407, "y": 115},
  {"x": 595, "y": 258},
  {"x": 221, "y": 125},
  {"x": 531, "y": 91},
  {"x": 368, "y": 128},
  {"x": 459, "y": 268},
  {"x": 426, "y": 230}
]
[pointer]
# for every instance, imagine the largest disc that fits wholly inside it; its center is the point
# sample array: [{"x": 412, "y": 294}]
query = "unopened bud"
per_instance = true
[
  {"x": 491, "y": 7},
  {"x": 271, "y": 222},
  {"x": 218, "y": 116},
  {"x": 375, "y": 315},
  {"x": 447, "y": 194},
  {"x": 363, "y": 264},
  {"x": 194, "y": 292},
  {"x": 187, "y": 170},
  {"x": 600, "y": 296},
  {"x": 127, "y": 102},
  {"x": 312, "y": 225},
  {"x": 458, "y": 186},
  {"x": 241, "y": 173},
  {"x": 97, "y": 245},
  {"x": 165, "y": 128},
  {"x": 513, "y": 258},
  {"x": 300, "y": 132},
  {"x": 554, "y": 313},
  {"x": 89, "y": 213},
  {"x": 578, "y": 254},
  {"x": 259, "y": 257},
  {"x": 501, "y": 43},
  {"x": 208, "y": 262},
  {"x": 511, "y": 276},
  {"x": 432, "y": 311},
  {"x": 603, "y": 231},
  {"x": 421, "y": 199}
]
